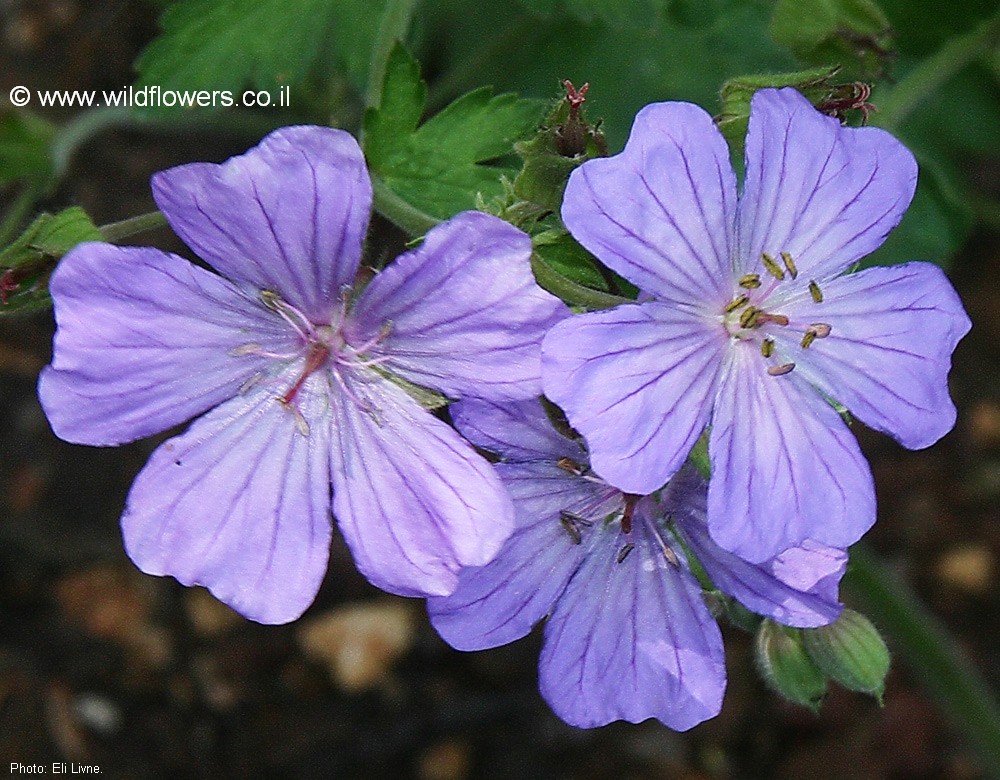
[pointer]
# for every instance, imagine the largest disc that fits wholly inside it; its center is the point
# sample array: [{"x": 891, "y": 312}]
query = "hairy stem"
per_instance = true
[
  {"x": 116, "y": 231},
  {"x": 961, "y": 693},
  {"x": 399, "y": 212},
  {"x": 933, "y": 72}
]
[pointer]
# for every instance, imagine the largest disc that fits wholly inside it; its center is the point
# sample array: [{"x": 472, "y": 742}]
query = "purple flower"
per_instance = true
[
  {"x": 304, "y": 380},
  {"x": 628, "y": 634},
  {"x": 749, "y": 323}
]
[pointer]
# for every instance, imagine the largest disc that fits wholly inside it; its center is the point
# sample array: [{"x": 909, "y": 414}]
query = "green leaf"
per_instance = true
[
  {"x": 441, "y": 166},
  {"x": 24, "y": 147},
  {"x": 28, "y": 261},
  {"x": 840, "y": 31},
  {"x": 264, "y": 44}
]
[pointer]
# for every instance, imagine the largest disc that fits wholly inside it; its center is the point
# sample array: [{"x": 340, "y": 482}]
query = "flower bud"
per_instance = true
[
  {"x": 786, "y": 666},
  {"x": 851, "y": 652}
]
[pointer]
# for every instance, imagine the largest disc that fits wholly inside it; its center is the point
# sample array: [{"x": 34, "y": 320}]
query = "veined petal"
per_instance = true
[
  {"x": 661, "y": 213},
  {"x": 465, "y": 314},
  {"x": 413, "y": 500},
  {"x": 785, "y": 467},
  {"x": 144, "y": 342},
  {"x": 632, "y": 640},
  {"x": 888, "y": 354},
  {"x": 637, "y": 381},
  {"x": 289, "y": 215},
  {"x": 826, "y": 194},
  {"x": 502, "y": 601},
  {"x": 240, "y": 503},
  {"x": 799, "y": 587},
  {"x": 517, "y": 430}
]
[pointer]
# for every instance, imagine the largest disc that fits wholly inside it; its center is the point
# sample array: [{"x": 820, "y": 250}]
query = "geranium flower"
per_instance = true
[
  {"x": 305, "y": 379},
  {"x": 628, "y": 634},
  {"x": 749, "y": 322}
]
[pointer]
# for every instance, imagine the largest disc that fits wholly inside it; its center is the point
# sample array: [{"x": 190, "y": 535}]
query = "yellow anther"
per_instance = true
[
  {"x": 815, "y": 292},
  {"x": 780, "y": 370},
  {"x": 734, "y": 304},
  {"x": 772, "y": 266},
  {"x": 767, "y": 347},
  {"x": 790, "y": 264},
  {"x": 749, "y": 317},
  {"x": 750, "y": 281},
  {"x": 808, "y": 338}
]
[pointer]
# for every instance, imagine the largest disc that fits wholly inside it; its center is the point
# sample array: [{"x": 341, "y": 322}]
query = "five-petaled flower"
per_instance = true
[
  {"x": 628, "y": 635},
  {"x": 748, "y": 322},
  {"x": 304, "y": 380}
]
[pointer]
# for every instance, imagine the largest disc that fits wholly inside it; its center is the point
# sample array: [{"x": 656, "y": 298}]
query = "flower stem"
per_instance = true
[
  {"x": 933, "y": 72},
  {"x": 922, "y": 642},
  {"x": 392, "y": 28},
  {"x": 116, "y": 231},
  {"x": 400, "y": 212}
]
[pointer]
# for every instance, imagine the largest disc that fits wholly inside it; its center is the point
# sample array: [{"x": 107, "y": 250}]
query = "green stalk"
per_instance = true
[
  {"x": 961, "y": 693},
  {"x": 933, "y": 72},
  {"x": 571, "y": 292},
  {"x": 400, "y": 212},
  {"x": 116, "y": 231},
  {"x": 19, "y": 211}
]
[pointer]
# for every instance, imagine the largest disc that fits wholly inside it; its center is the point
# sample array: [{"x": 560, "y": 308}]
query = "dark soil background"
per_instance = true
[{"x": 102, "y": 665}]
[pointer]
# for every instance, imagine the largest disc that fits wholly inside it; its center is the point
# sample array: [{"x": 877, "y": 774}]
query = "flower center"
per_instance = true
[
  {"x": 746, "y": 317},
  {"x": 322, "y": 346}
]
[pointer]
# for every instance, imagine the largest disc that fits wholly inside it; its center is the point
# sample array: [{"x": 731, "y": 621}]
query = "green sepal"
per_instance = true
[
  {"x": 26, "y": 264},
  {"x": 786, "y": 667},
  {"x": 850, "y": 651},
  {"x": 815, "y": 83},
  {"x": 427, "y": 398}
]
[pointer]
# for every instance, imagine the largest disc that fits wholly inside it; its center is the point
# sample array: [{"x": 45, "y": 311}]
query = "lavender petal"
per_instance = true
[
  {"x": 661, "y": 213},
  {"x": 144, "y": 342},
  {"x": 631, "y": 641},
  {"x": 463, "y": 311},
  {"x": 826, "y": 194},
  {"x": 414, "y": 501},
  {"x": 240, "y": 504},
  {"x": 888, "y": 354},
  {"x": 638, "y": 382},
  {"x": 289, "y": 215},
  {"x": 785, "y": 467}
]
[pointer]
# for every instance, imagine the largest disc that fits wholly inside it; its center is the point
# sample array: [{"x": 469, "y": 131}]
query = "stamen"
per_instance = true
[
  {"x": 767, "y": 347},
  {"x": 289, "y": 314},
  {"x": 821, "y": 329},
  {"x": 667, "y": 551},
  {"x": 808, "y": 338},
  {"x": 780, "y": 370},
  {"x": 624, "y": 551},
  {"x": 734, "y": 304},
  {"x": 250, "y": 383},
  {"x": 750, "y": 281},
  {"x": 571, "y": 525},
  {"x": 815, "y": 292},
  {"x": 772, "y": 266},
  {"x": 570, "y": 466},
  {"x": 777, "y": 319},
  {"x": 790, "y": 264},
  {"x": 749, "y": 318}
]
